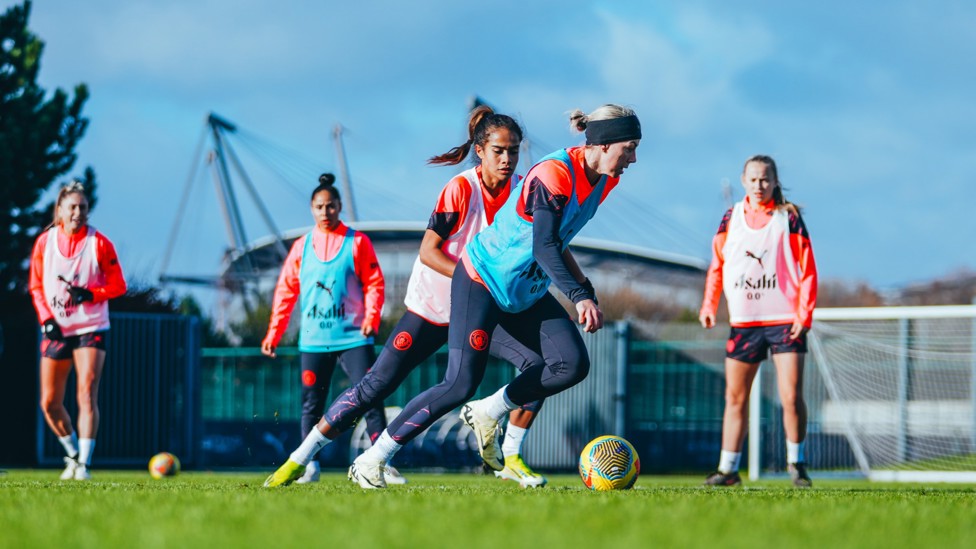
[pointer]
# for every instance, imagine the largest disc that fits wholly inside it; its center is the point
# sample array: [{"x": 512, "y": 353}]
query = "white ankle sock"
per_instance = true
[
  {"x": 512, "y": 445},
  {"x": 384, "y": 448},
  {"x": 309, "y": 447},
  {"x": 85, "y": 448},
  {"x": 70, "y": 443},
  {"x": 728, "y": 462},
  {"x": 795, "y": 452},
  {"x": 498, "y": 404}
]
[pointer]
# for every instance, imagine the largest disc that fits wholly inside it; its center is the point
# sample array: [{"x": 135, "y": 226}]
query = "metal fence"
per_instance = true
[
  {"x": 251, "y": 405},
  {"x": 251, "y": 410},
  {"x": 664, "y": 393},
  {"x": 148, "y": 393},
  {"x": 677, "y": 399},
  {"x": 233, "y": 407}
]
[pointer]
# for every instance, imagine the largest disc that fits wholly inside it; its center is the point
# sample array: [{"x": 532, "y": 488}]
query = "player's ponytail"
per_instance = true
[
  {"x": 778, "y": 199},
  {"x": 481, "y": 123},
  {"x": 778, "y": 196},
  {"x": 578, "y": 120},
  {"x": 326, "y": 183}
]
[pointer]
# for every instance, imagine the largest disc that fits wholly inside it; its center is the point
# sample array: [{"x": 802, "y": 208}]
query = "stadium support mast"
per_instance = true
[
  {"x": 349, "y": 201},
  {"x": 221, "y": 159},
  {"x": 228, "y": 201}
]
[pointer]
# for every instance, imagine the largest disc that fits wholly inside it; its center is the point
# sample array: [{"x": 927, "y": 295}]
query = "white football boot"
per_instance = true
[
  {"x": 70, "y": 465},
  {"x": 367, "y": 473},
  {"x": 81, "y": 472},
  {"x": 392, "y": 476},
  {"x": 487, "y": 432}
]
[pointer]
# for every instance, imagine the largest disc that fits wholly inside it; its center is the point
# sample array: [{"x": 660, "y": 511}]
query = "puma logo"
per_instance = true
[
  {"x": 329, "y": 288},
  {"x": 758, "y": 258}
]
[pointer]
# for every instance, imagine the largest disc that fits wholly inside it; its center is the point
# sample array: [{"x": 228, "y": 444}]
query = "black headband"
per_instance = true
[{"x": 613, "y": 130}]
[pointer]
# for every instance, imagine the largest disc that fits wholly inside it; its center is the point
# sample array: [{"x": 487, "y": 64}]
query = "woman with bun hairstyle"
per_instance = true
[
  {"x": 333, "y": 274},
  {"x": 74, "y": 271},
  {"x": 763, "y": 261},
  {"x": 466, "y": 205},
  {"x": 503, "y": 278}
]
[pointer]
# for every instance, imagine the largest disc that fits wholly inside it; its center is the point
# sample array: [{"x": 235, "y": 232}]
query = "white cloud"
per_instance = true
[
  {"x": 865, "y": 108},
  {"x": 682, "y": 72}
]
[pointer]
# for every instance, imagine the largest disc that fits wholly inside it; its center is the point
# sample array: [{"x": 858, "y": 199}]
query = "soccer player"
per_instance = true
[
  {"x": 763, "y": 260},
  {"x": 333, "y": 273},
  {"x": 466, "y": 205},
  {"x": 503, "y": 278},
  {"x": 74, "y": 271}
]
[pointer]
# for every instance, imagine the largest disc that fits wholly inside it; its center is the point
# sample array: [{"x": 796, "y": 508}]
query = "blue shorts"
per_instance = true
[
  {"x": 753, "y": 344},
  {"x": 64, "y": 348}
]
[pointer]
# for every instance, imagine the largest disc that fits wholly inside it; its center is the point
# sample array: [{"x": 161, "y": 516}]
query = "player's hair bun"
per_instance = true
[
  {"x": 578, "y": 120},
  {"x": 326, "y": 179}
]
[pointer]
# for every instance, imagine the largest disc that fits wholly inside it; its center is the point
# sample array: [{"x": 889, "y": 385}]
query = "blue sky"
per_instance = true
[{"x": 867, "y": 107}]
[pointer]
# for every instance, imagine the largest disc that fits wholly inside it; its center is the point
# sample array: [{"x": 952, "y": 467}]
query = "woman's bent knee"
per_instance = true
[
  {"x": 574, "y": 371},
  {"x": 51, "y": 407},
  {"x": 581, "y": 369}
]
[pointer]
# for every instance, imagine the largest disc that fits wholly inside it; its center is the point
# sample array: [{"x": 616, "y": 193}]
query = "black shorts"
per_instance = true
[
  {"x": 753, "y": 344},
  {"x": 63, "y": 349}
]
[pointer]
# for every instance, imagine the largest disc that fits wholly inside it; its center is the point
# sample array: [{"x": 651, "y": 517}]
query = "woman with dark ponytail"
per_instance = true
[
  {"x": 333, "y": 274},
  {"x": 502, "y": 279},
  {"x": 465, "y": 207}
]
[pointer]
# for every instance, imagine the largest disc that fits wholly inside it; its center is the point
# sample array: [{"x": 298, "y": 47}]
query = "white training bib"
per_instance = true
[
  {"x": 428, "y": 291},
  {"x": 760, "y": 276},
  {"x": 80, "y": 270}
]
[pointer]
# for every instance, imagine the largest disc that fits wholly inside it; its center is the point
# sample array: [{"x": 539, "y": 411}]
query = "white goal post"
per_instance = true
[{"x": 898, "y": 384}]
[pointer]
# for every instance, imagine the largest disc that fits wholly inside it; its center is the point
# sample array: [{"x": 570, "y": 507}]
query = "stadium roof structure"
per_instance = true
[
  {"x": 263, "y": 254},
  {"x": 248, "y": 265},
  {"x": 654, "y": 274}
]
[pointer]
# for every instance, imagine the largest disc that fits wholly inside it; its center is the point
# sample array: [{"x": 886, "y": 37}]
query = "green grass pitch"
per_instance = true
[{"x": 200, "y": 509}]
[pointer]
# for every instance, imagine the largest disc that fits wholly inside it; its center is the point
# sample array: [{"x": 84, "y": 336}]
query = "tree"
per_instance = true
[
  {"x": 846, "y": 293},
  {"x": 958, "y": 288},
  {"x": 38, "y": 136}
]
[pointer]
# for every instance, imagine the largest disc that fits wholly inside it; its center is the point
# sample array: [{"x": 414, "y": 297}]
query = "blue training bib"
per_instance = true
[
  {"x": 331, "y": 301},
  {"x": 502, "y": 253}
]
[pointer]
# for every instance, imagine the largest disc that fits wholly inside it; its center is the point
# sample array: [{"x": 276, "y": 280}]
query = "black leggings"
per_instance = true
[
  {"x": 317, "y": 369},
  {"x": 411, "y": 342},
  {"x": 544, "y": 328}
]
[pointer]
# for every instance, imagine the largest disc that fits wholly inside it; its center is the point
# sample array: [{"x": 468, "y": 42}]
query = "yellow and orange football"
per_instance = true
[
  {"x": 164, "y": 464},
  {"x": 609, "y": 463}
]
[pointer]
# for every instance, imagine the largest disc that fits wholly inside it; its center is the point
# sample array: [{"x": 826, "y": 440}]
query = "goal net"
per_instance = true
[{"x": 899, "y": 384}]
